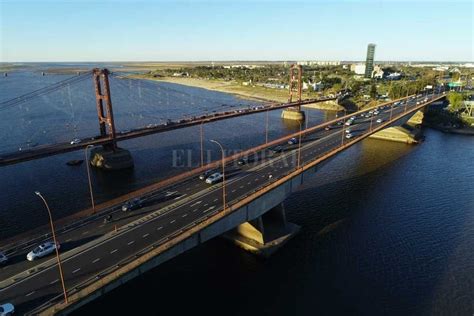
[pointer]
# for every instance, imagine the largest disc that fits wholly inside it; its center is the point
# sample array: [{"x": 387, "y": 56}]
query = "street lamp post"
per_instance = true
[
  {"x": 89, "y": 177},
  {"x": 223, "y": 174},
  {"x": 266, "y": 127},
  {"x": 56, "y": 245},
  {"x": 406, "y": 101},
  {"x": 202, "y": 147},
  {"x": 343, "y": 128},
  {"x": 299, "y": 148},
  {"x": 391, "y": 111}
]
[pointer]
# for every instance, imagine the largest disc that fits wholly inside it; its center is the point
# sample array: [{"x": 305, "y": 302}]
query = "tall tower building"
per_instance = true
[{"x": 369, "y": 62}]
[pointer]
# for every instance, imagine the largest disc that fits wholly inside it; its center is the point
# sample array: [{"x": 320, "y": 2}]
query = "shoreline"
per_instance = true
[
  {"x": 245, "y": 92},
  {"x": 218, "y": 86},
  {"x": 458, "y": 131}
]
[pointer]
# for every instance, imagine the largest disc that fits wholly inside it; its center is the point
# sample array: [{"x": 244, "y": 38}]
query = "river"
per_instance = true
[{"x": 387, "y": 228}]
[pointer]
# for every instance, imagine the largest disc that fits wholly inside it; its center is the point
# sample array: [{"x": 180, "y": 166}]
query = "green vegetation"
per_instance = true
[
  {"x": 455, "y": 101},
  {"x": 270, "y": 81},
  {"x": 443, "y": 118}
]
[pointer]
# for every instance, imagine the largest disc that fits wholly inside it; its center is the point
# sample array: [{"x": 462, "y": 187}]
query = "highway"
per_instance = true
[{"x": 94, "y": 248}]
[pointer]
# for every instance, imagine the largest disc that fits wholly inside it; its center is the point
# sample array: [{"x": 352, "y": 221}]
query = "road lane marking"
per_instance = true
[
  {"x": 54, "y": 281},
  {"x": 31, "y": 293},
  {"x": 101, "y": 225},
  {"x": 68, "y": 240},
  {"x": 172, "y": 221},
  {"x": 159, "y": 228},
  {"x": 131, "y": 242},
  {"x": 145, "y": 236},
  {"x": 170, "y": 193},
  {"x": 232, "y": 192},
  {"x": 194, "y": 210},
  {"x": 77, "y": 270},
  {"x": 115, "y": 250},
  {"x": 184, "y": 215},
  {"x": 215, "y": 200},
  {"x": 178, "y": 197},
  {"x": 86, "y": 232},
  {"x": 96, "y": 260},
  {"x": 241, "y": 187},
  {"x": 198, "y": 202},
  {"x": 208, "y": 209}
]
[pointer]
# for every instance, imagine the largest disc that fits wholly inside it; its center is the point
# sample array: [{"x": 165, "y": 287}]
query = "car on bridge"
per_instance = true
[
  {"x": 245, "y": 160},
  {"x": 292, "y": 141},
  {"x": 214, "y": 178},
  {"x": 276, "y": 150},
  {"x": 379, "y": 120},
  {"x": 206, "y": 174},
  {"x": 75, "y": 141},
  {"x": 42, "y": 250},
  {"x": 132, "y": 205},
  {"x": 3, "y": 258},
  {"x": 7, "y": 309},
  {"x": 349, "y": 135}
]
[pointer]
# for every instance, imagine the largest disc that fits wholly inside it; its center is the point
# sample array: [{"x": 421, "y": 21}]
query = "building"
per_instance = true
[
  {"x": 369, "y": 62},
  {"x": 319, "y": 63},
  {"x": 359, "y": 69},
  {"x": 394, "y": 76}
]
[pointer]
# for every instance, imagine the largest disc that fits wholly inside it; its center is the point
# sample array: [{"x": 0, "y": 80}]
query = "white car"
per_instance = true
[
  {"x": 349, "y": 136},
  {"x": 42, "y": 250},
  {"x": 3, "y": 258},
  {"x": 213, "y": 178},
  {"x": 348, "y": 131},
  {"x": 349, "y": 122},
  {"x": 75, "y": 141},
  {"x": 7, "y": 309},
  {"x": 379, "y": 120}
]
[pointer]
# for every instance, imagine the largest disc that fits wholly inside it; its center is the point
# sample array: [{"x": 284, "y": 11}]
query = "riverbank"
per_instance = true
[
  {"x": 451, "y": 130},
  {"x": 256, "y": 93}
]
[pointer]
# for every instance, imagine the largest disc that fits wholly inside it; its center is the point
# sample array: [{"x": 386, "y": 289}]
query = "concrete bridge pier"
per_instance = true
[
  {"x": 265, "y": 234},
  {"x": 409, "y": 132},
  {"x": 111, "y": 158},
  {"x": 293, "y": 113}
]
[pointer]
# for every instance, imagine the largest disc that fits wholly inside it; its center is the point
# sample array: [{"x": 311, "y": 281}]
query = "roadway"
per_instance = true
[{"x": 92, "y": 249}]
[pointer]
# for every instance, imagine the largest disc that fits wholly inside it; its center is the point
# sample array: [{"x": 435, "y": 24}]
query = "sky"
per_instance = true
[{"x": 120, "y": 30}]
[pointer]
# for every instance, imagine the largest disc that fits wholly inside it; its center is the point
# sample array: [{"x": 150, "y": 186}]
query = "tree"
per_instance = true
[
  {"x": 455, "y": 101},
  {"x": 373, "y": 91}
]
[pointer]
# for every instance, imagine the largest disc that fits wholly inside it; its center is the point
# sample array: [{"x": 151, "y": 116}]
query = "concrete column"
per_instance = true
[
  {"x": 293, "y": 113},
  {"x": 264, "y": 235}
]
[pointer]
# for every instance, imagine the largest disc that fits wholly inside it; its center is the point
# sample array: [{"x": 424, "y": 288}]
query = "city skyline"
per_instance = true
[{"x": 229, "y": 31}]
